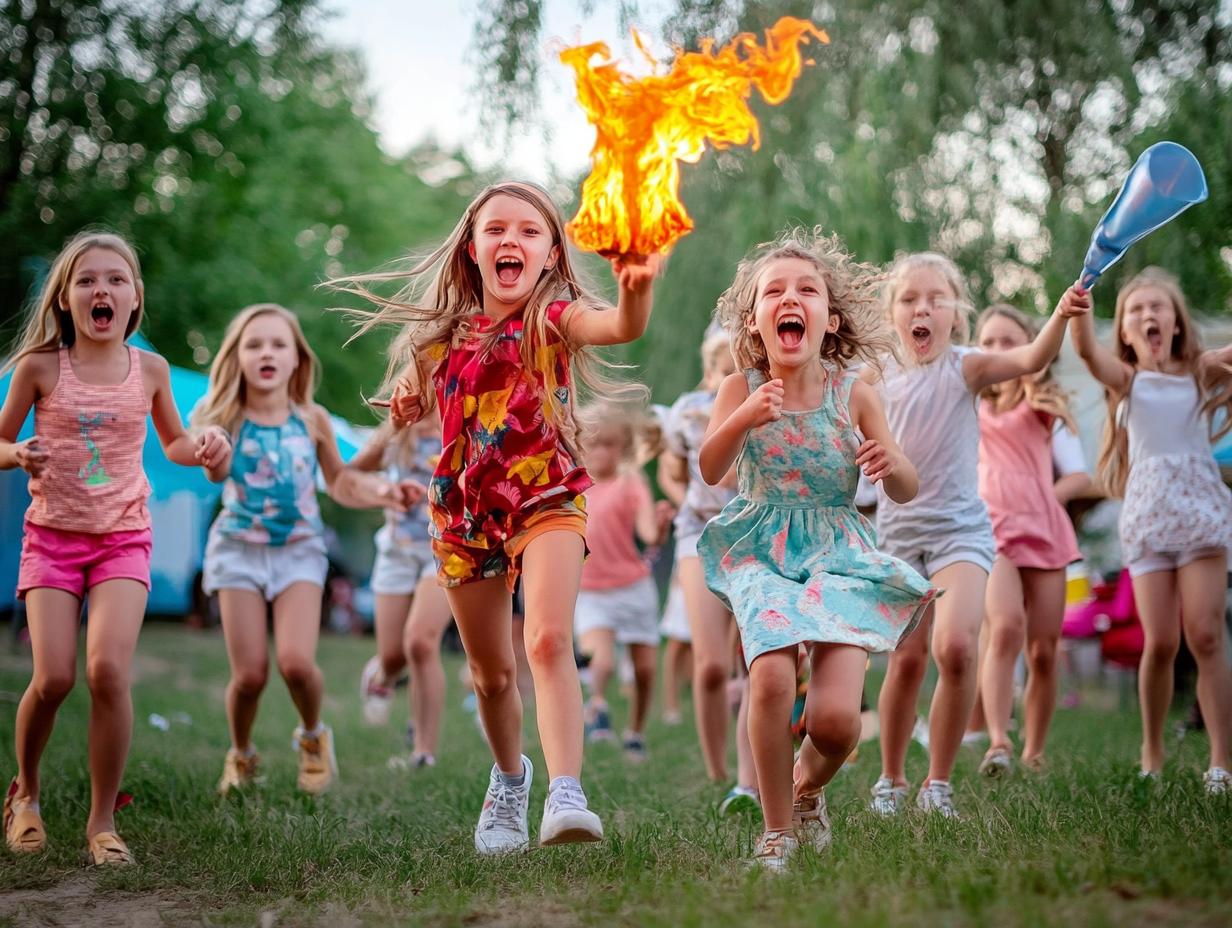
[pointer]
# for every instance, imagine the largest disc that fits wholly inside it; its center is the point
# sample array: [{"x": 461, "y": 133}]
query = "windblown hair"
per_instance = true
[
  {"x": 223, "y": 404},
  {"x": 852, "y": 288},
  {"x": 50, "y": 326},
  {"x": 443, "y": 290},
  {"x": 1214, "y": 381},
  {"x": 1041, "y": 393},
  {"x": 640, "y": 429},
  {"x": 964, "y": 309}
]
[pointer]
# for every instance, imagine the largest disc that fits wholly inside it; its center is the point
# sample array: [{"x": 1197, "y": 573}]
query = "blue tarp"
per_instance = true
[{"x": 182, "y": 503}]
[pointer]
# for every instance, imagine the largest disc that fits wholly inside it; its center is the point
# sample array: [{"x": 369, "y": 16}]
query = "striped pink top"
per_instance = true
[{"x": 94, "y": 435}]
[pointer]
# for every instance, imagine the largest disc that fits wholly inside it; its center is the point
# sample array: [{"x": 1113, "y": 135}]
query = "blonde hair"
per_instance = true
[
  {"x": 713, "y": 346},
  {"x": 1214, "y": 385},
  {"x": 852, "y": 289},
  {"x": 223, "y": 404},
  {"x": 442, "y": 291},
  {"x": 963, "y": 308},
  {"x": 639, "y": 427},
  {"x": 50, "y": 326},
  {"x": 1041, "y": 393}
]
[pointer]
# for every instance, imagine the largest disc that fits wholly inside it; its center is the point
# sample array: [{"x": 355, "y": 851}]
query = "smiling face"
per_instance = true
[
  {"x": 511, "y": 245},
  {"x": 101, "y": 295},
  {"x": 924, "y": 313},
  {"x": 1149, "y": 325},
  {"x": 268, "y": 354},
  {"x": 791, "y": 312}
]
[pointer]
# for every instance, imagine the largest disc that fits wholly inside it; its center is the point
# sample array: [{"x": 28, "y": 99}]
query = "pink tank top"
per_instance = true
[{"x": 94, "y": 435}]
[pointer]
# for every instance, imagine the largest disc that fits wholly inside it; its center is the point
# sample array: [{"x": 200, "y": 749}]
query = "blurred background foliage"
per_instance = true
[{"x": 235, "y": 146}]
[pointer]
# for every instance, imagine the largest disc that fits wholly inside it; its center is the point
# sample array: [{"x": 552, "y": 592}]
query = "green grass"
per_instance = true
[{"x": 1086, "y": 844}]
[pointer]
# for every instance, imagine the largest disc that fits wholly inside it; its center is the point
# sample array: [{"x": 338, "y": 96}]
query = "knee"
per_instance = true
[
  {"x": 1161, "y": 649},
  {"x": 833, "y": 732},
  {"x": 106, "y": 678},
  {"x": 1205, "y": 643},
  {"x": 710, "y": 675},
  {"x": 53, "y": 687},
  {"x": 549, "y": 646},
  {"x": 955, "y": 657},
  {"x": 771, "y": 690},
  {"x": 491, "y": 682},
  {"x": 250, "y": 681},
  {"x": 1007, "y": 635},
  {"x": 420, "y": 650},
  {"x": 909, "y": 666},
  {"x": 296, "y": 671},
  {"x": 1042, "y": 655}
]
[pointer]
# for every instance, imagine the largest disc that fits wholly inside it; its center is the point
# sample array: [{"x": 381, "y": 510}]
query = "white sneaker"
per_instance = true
[
  {"x": 996, "y": 763},
  {"x": 937, "y": 796},
  {"x": 919, "y": 732},
  {"x": 888, "y": 799},
  {"x": 1218, "y": 781},
  {"x": 811, "y": 821},
  {"x": 502, "y": 822},
  {"x": 375, "y": 692},
  {"x": 974, "y": 739},
  {"x": 773, "y": 851},
  {"x": 566, "y": 819}
]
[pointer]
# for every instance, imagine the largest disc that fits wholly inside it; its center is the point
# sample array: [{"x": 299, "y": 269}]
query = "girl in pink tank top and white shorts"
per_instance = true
[{"x": 87, "y": 532}]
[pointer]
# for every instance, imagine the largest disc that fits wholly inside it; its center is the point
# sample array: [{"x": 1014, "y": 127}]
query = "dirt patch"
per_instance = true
[{"x": 77, "y": 901}]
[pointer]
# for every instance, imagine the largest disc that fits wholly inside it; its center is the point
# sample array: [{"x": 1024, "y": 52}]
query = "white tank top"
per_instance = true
[{"x": 1162, "y": 416}]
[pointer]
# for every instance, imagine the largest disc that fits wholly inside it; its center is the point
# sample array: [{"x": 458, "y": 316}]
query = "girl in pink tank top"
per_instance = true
[
  {"x": 1035, "y": 541},
  {"x": 87, "y": 529}
]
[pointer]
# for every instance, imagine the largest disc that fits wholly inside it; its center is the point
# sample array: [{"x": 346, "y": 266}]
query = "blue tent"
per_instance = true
[{"x": 182, "y": 503}]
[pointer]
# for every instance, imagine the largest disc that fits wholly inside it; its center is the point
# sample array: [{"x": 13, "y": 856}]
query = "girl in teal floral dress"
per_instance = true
[{"x": 790, "y": 554}]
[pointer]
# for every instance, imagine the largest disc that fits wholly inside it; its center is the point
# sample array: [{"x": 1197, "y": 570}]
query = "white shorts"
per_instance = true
[
  {"x": 632, "y": 612},
  {"x": 231, "y": 564},
  {"x": 1172, "y": 560},
  {"x": 931, "y": 553},
  {"x": 686, "y": 546},
  {"x": 675, "y": 624},
  {"x": 398, "y": 570}
]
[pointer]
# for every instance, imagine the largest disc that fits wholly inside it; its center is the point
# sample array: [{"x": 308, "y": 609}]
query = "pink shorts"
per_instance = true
[{"x": 76, "y": 561}]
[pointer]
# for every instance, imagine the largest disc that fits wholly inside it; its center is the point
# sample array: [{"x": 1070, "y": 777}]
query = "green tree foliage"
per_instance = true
[
  {"x": 229, "y": 143},
  {"x": 995, "y": 132}
]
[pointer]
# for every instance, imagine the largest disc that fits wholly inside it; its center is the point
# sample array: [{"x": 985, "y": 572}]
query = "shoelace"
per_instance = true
[
  {"x": 312, "y": 747},
  {"x": 884, "y": 789},
  {"x": 941, "y": 795},
  {"x": 771, "y": 844},
  {"x": 566, "y": 797},
  {"x": 506, "y": 809}
]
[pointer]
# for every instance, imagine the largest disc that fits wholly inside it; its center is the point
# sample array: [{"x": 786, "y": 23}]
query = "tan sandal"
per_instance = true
[
  {"x": 23, "y": 827},
  {"x": 108, "y": 849}
]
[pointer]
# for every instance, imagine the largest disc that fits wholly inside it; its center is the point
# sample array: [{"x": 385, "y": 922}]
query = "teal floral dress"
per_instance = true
[{"x": 791, "y": 556}]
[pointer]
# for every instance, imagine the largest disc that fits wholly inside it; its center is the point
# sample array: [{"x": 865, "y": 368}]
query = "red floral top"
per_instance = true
[{"x": 501, "y": 457}]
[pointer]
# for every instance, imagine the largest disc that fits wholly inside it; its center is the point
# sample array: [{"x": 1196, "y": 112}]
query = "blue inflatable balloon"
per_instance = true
[{"x": 1165, "y": 181}]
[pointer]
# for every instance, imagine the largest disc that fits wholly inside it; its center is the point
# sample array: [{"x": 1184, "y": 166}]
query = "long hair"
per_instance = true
[
  {"x": 50, "y": 326},
  {"x": 713, "y": 347},
  {"x": 224, "y": 402},
  {"x": 963, "y": 308},
  {"x": 640, "y": 430},
  {"x": 1041, "y": 393},
  {"x": 443, "y": 290},
  {"x": 1214, "y": 385},
  {"x": 852, "y": 290}
]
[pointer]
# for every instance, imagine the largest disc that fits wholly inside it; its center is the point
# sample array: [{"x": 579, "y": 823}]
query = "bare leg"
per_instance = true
[
  {"x": 960, "y": 613},
  {"x": 772, "y": 690},
  {"x": 1006, "y": 626},
  {"x": 900, "y": 693},
  {"x": 674, "y": 655},
  {"x": 54, "y": 617},
  {"x": 709, "y": 622},
  {"x": 297, "y": 627},
  {"x": 746, "y": 765},
  {"x": 831, "y": 713},
  {"x": 423, "y": 633},
  {"x": 1156, "y": 597},
  {"x": 1202, "y": 604},
  {"x": 392, "y": 610},
  {"x": 644, "y": 657},
  {"x": 116, "y": 611},
  {"x": 600, "y": 644},
  {"x": 1045, "y": 599},
  {"x": 243, "y": 628}
]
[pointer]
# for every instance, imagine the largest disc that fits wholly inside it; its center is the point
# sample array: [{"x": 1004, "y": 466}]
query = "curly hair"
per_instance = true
[{"x": 852, "y": 288}]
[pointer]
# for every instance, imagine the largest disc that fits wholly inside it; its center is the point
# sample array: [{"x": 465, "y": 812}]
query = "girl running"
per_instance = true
[
  {"x": 91, "y": 393},
  {"x": 790, "y": 553},
  {"x": 1164, "y": 394},
  {"x": 492, "y": 322}
]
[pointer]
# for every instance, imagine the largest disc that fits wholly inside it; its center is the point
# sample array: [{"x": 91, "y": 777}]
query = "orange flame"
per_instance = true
[{"x": 645, "y": 126}]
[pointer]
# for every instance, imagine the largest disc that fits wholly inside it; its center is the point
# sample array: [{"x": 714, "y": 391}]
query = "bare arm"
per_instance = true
[
  {"x": 673, "y": 477},
  {"x": 635, "y": 281},
  {"x": 1072, "y": 486},
  {"x": 209, "y": 448},
  {"x": 879, "y": 456},
  {"x": 1104, "y": 366},
  {"x": 986, "y": 368},
  {"x": 735, "y": 413},
  {"x": 27, "y": 386},
  {"x": 351, "y": 487},
  {"x": 652, "y": 519}
]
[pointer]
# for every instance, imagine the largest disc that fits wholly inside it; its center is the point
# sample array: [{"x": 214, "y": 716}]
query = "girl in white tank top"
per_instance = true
[
  {"x": 930, "y": 404},
  {"x": 1176, "y": 522}
]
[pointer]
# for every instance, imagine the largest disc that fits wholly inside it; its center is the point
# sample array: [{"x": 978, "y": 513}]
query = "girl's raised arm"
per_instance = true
[
  {"x": 1104, "y": 366},
  {"x": 635, "y": 279},
  {"x": 25, "y": 388},
  {"x": 351, "y": 487},
  {"x": 735, "y": 413},
  {"x": 210, "y": 448},
  {"x": 983, "y": 369}
]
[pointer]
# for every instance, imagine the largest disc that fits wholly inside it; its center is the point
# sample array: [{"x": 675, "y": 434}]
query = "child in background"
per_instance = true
[
  {"x": 1165, "y": 395},
  {"x": 677, "y": 650},
  {"x": 266, "y": 548},
  {"x": 790, "y": 553},
  {"x": 91, "y": 393},
  {"x": 492, "y": 324},
  {"x": 944, "y": 532},
  {"x": 411, "y": 610},
  {"x": 618, "y": 602},
  {"x": 1034, "y": 537}
]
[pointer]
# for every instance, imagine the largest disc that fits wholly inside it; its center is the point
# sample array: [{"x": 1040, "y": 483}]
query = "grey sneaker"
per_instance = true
[
  {"x": 1218, "y": 781},
  {"x": 773, "y": 851},
  {"x": 888, "y": 799},
  {"x": 502, "y": 823},
  {"x": 811, "y": 821},
  {"x": 937, "y": 796},
  {"x": 566, "y": 817},
  {"x": 996, "y": 763}
]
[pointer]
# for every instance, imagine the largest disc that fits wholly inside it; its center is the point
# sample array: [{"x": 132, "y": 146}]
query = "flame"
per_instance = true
[{"x": 645, "y": 126}]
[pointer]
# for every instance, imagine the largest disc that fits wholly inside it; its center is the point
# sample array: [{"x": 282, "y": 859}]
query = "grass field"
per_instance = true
[{"x": 1085, "y": 844}]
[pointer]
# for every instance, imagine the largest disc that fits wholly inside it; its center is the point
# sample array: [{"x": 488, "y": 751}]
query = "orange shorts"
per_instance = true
[{"x": 460, "y": 563}]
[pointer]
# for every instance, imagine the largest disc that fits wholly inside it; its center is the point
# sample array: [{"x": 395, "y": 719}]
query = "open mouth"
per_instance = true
[
  {"x": 791, "y": 331},
  {"x": 922, "y": 335},
  {"x": 267, "y": 370},
  {"x": 508, "y": 270},
  {"x": 1154, "y": 337},
  {"x": 102, "y": 315}
]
